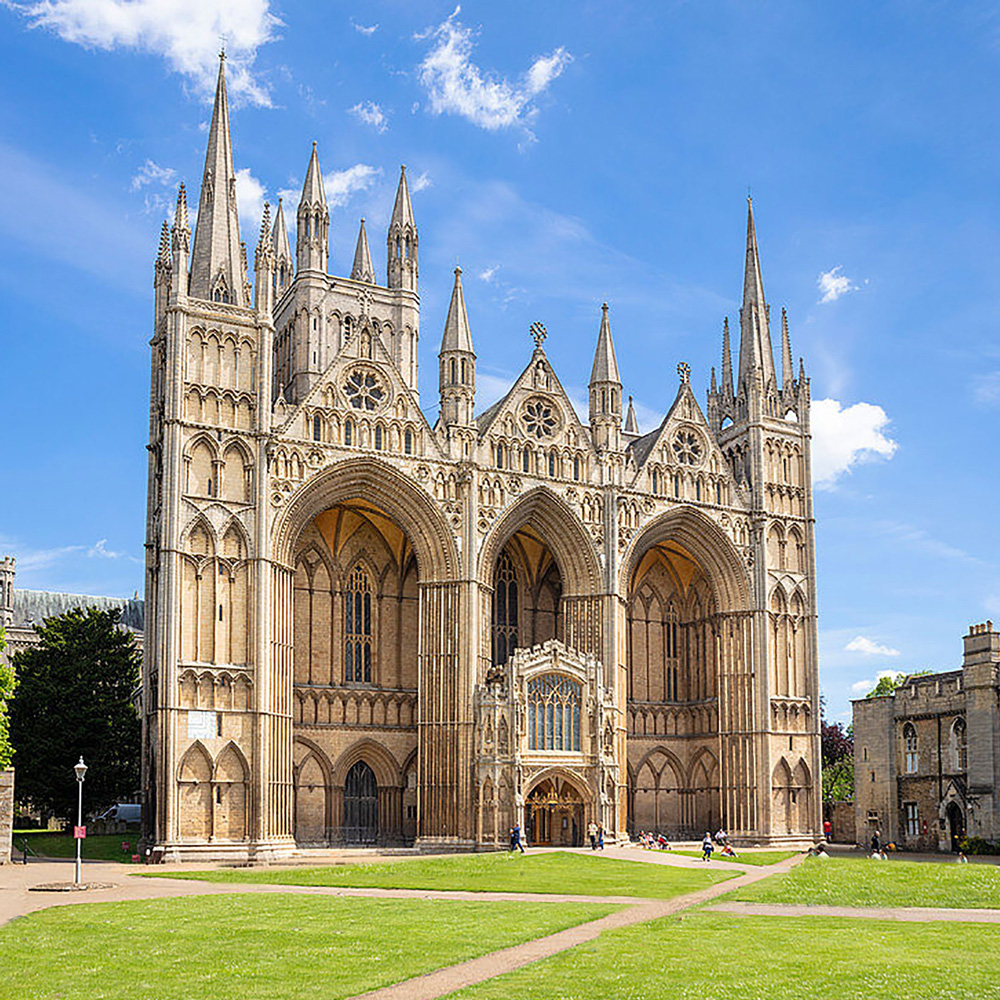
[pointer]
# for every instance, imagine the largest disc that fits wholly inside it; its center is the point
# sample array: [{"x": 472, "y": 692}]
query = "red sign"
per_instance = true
[{"x": 79, "y": 833}]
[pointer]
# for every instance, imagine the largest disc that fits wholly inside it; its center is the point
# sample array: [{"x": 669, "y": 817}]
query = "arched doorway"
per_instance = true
[
  {"x": 554, "y": 814},
  {"x": 360, "y": 805},
  {"x": 956, "y": 825}
]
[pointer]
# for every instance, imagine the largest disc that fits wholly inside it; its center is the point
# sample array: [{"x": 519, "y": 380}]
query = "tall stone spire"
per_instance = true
[
  {"x": 755, "y": 330},
  {"x": 216, "y": 258},
  {"x": 727, "y": 361},
  {"x": 457, "y": 362},
  {"x": 605, "y": 390},
  {"x": 312, "y": 235},
  {"x": 263, "y": 265},
  {"x": 787, "y": 367},
  {"x": 283, "y": 262},
  {"x": 631, "y": 423},
  {"x": 402, "y": 240},
  {"x": 457, "y": 335},
  {"x": 363, "y": 269}
]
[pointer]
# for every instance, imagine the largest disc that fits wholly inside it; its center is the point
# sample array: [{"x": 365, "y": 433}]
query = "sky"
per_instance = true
[{"x": 564, "y": 154}]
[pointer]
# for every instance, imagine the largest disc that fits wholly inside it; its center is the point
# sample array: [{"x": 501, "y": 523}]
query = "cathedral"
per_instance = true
[{"x": 364, "y": 628}]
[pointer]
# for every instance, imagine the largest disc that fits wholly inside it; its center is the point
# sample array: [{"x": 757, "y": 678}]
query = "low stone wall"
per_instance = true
[
  {"x": 6, "y": 814},
  {"x": 841, "y": 817}
]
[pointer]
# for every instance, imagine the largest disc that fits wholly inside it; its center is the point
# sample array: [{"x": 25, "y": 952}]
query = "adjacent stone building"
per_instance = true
[
  {"x": 366, "y": 628},
  {"x": 927, "y": 758}
]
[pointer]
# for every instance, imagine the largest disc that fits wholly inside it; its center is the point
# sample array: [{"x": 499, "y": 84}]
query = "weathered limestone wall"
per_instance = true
[{"x": 6, "y": 814}]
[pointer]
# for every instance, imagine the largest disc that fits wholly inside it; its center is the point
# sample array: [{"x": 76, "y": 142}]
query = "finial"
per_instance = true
[
  {"x": 604, "y": 307},
  {"x": 630, "y": 399},
  {"x": 539, "y": 333},
  {"x": 684, "y": 370},
  {"x": 458, "y": 270}
]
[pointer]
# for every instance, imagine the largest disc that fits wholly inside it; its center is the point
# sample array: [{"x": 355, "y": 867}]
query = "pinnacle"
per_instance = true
[
  {"x": 312, "y": 190},
  {"x": 631, "y": 423},
  {"x": 402, "y": 209},
  {"x": 363, "y": 269},
  {"x": 457, "y": 334},
  {"x": 605, "y": 367},
  {"x": 279, "y": 236}
]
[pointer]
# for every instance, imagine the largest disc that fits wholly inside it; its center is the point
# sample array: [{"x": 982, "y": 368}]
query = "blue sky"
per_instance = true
[{"x": 564, "y": 154}]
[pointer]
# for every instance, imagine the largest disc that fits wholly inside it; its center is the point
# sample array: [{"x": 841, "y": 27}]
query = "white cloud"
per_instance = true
[
  {"x": 340, "y": 185},
  {"x": 101, "y": 551},
  {"x": 487, "y": 274},
  {"x": 371, "y": 114},
  {"x": 869, "y": 647},
  {"x": 364, "y": 29},
  {"x": 863, "y": 687},
  {"x": 844, "y": 436},
  {"x": 186, "y": 33},
  {"x": 456, "y": 85},
  {"x": 986, "y": 389},
  {"x": 832, "y": 284},
  {"x": 152, "y": 173},
  {"x": 420, "y": 182},
  {"x": 250, "y": 201}
]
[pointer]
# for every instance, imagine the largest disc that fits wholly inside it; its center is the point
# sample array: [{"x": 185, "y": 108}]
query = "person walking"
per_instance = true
[
  {"x": 515, "y": 839},
  {"x": 707, "y": 847},
  {"x": 876, "y": 844},
  {"x": 600, "y": 836},
  {"x": 592, "y": 833}
]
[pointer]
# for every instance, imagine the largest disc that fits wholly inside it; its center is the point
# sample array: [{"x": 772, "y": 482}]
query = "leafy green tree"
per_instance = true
[
  {"x": 8, "y": 682},
  {"x": 74, "y": 698},
  {"x": 837, "y": 747},
  {"x": 887, "y": 684}
]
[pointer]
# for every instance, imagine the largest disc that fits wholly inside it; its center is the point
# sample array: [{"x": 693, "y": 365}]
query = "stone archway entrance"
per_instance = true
[
  {"x": 360, "y": 805},
  {"x": 956, "y": 826},
  {"x": 554, "y": 814}
]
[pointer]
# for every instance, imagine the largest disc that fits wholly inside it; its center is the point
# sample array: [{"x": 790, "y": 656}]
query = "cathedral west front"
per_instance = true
[{"x": 364, "y": 628}]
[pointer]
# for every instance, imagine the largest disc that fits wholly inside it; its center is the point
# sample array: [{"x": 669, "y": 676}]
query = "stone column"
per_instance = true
[{"x": 6, "y": 814}]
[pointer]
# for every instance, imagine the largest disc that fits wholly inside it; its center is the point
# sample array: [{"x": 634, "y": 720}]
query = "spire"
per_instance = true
[
  {"x": 312, "y": 234},
  {"x": 713, "y": 386},
  {"x": 631, "y": 424},
  {"x": 402, "y": 210},
  {"x": 279, "y": 237},
  {"x": 755, "y": 332},
  {"x": 163, "y": 255},
  {"x": 727, "y": 361},
  {"x": 216, "y": 267},
  {"x": 605, "y": 364},
  {"x": 402, "y": 240},
  {"x": 363, "y": 270},
  {"x": 457, "y": 335},
  {"x": 787, "y": 367},
  {"x": 263, "y": 265}
]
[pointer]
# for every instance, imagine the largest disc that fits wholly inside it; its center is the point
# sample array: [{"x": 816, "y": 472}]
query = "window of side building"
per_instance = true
[
  {"x": 909, "y": 749},
  {"x": 912, "y": 816}
]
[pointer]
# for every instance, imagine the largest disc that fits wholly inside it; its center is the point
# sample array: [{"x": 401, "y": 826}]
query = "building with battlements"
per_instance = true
[{"x": 365, "y": 628}]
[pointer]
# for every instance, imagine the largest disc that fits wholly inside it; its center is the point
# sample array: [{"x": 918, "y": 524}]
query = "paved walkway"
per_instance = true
[{"x": 911, "y": 914}]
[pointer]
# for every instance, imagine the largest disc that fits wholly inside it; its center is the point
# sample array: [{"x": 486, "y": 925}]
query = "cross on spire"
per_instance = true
[
  {"x": 539, "y": 333},
  {"x": 684, "y": 370}
]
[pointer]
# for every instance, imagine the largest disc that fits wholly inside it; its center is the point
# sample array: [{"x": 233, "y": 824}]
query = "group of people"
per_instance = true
[
  {"x": 721, "y": 840},
  {"x": 595, "y": 831}
]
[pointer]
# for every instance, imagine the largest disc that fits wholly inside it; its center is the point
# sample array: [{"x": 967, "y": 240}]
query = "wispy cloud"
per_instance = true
[
  {"x": 250, "y": 194},
  {"x": 833, "y": 284},
  {"x": 100, "y": 550},
  {"x": 923, "y": 541},
  {"x": 869, "y": 647},
  {"x": 186, "y": 33},
  {"x": 370, "y": 113},
  {"x": 455, "y": 85},
  {"x": 846, "y": 436},
  {"x": 364, "y": 29},
  {"x": 863, "y": 687},
  {"x": 487, "y": 274},
  {"x": 420, "y": 182},
  {"x": 341, "y": 185},
  {"x": 152, "y": 173}
]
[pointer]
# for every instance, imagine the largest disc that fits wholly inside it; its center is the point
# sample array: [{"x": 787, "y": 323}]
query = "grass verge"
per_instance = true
[
  {"x": 105, "y": 847},
  {"x": 745, "y": 857},
  {"x": 863, "y": 882},
  {"x": 713, "y": 956},
  {"x": 556, "y": 872},
  {"x": 257, "y": 946}
]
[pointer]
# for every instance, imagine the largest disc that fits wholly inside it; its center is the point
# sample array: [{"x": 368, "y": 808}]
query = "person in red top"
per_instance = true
[{"x": 827, "y": 829}]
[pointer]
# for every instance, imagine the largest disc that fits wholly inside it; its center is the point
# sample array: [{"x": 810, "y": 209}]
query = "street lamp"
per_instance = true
[{"x": 81, "y": 773}]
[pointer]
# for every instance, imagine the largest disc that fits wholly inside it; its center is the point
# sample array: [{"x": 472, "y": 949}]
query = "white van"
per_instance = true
[{"x": 122, "y": 812}]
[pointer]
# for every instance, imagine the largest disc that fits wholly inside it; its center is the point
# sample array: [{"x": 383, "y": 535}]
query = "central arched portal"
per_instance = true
[
  {"x": 555, "y": 814},
  {"x": 360, "y": 805}
]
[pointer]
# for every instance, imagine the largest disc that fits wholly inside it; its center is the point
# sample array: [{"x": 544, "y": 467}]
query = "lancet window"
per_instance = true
[
  {"x": 504, "y": 610},
  {"x": 554, "y": 713},
  {"x": 910, "y": 748},
  {"x": 358, "y": 627}
]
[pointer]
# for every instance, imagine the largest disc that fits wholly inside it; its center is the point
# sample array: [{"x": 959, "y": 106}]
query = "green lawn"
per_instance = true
[
  {"x": 863, "y": 882},
  {"x": 556, "y": 872},
  {"x": 257, "y": 946},
  {"x": 62, "y": 845},
  {"x": 745, "y": 857},
  {"x": 713, "y": 956}
]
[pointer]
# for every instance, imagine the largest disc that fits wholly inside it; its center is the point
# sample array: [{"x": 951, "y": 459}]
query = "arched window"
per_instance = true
[
  {"x": 554, "y": 713},
  {"x": 910, "y": 749},
  {"x": 656, "y": 481},
  {"x": 464, "y": 375},
  {"x": 358, "y": 627},
  {"x": 499, "y": 458},
  {"x": 552, "y": 463},
  {"x": 349, "y": 432},
  {"x": 958, "y": 738},
  {"x": 526, "y": 460},
  {"x": 408, "y": 441},
  {"x": 504, "y": 610},
  {"x": 697, "y": 490},
  {"x": 378, "y": 436},
  {"x": 576, "y": 467},
  {"x": 317, "y": 428},
  {"x": 718, "y": 493},
  {"x": 677, "y": 486},
  {"x": 453, "y": 366}
]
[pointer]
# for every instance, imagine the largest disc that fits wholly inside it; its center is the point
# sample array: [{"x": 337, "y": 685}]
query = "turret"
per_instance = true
[
  {"x": 7, "y": 566},
  {"x": 180, "y": 246},
  {"x": 402, "y": 240},
  {"x": 312, "y": 234},
  {"x": 162, "y": 271},
  {"x": 362, "y": 269},
  {"x": 217, "y": 265},
  {"x": 457, "y": 363},
  {"x": 631, "y": 429},
  {"x": 284, "y": 265},
  {"x": 263, "y": 266},
  {"x": 605, "y": 390}
]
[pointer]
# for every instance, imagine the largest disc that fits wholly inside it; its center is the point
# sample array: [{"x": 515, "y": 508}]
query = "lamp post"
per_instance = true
[{"x": 81, "y": 773}]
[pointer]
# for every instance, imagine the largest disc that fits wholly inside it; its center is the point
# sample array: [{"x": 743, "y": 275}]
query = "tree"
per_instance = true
[
  {"x": 837, "y": 747},
  {"x": 887, "y": 684},
  {"x": 8, "y": 682},
  {"x": 74, "y": 698}
]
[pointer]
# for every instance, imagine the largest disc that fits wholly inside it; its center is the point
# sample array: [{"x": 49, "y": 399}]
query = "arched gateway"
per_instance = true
[{"x": 362, "y": 628}]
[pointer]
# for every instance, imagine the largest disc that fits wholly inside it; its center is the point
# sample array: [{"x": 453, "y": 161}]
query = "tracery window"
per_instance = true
[
  {"x": 358, "y": 627},
  {"x": 960, "y": 743},
  {"x": 910, "y": 748},
  {"x": 504, "y": 610},
  {"x": 349, "y": 432},
  {"x": 687, "y": 447},
  {"x": 317, "y": 428},
  {"x": 539, "y": 418},
  {"x": 554, "y": 713},
  {"x": 408, "y": 441},
  {"x": 363, "y": 390},
  {"x": 378, "y": 437}
]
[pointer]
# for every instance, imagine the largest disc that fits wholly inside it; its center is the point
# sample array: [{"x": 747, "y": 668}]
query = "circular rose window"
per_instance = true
[
  {"x": 687, "y": 447},
  {"x": 540, "y": 418},
  {"x": 364, "y": 390}
]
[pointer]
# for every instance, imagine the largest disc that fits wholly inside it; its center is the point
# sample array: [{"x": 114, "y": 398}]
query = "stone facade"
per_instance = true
[
  {"x": 365, "y": 628},
  {"x": 927, "y": 757},
  {"x": 6, "y": 814}
]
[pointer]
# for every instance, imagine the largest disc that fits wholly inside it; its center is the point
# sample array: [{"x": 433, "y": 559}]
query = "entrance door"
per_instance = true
[
  {"x": 360, "y": 805},
  {"x": 555, "y": 812},
  {"x": 956, "y": 826}
]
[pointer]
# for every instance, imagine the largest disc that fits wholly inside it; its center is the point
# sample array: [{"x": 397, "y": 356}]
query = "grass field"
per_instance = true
[
  {"x": 570, "y": 874},
  {"x": 745, "y": 857},
  {"x": 257, "y": 946},
  {"x": 62, "y": 845},
  {"x": 863, "y": 882},
  {"x": 709, "y": 956}
]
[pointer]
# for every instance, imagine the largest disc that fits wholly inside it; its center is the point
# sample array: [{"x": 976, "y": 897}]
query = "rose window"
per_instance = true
[
  {"x": 687, "y": 448},
  {"x": 364, "y": 391},
  {"x": 539, "y": 418}
]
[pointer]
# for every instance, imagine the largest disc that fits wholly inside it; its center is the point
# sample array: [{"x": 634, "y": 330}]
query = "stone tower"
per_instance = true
[{"x": 7, "y": 565}]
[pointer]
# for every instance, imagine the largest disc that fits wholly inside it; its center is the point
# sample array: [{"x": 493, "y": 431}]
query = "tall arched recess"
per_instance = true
[
  {"x": 540, "y": 526},
  {"x": 688, "y": 650},
  {"x": 362, "y": 528}
]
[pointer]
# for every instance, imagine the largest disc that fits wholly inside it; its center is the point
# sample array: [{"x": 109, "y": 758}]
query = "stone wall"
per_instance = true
[{"x": 6, "y": 814}]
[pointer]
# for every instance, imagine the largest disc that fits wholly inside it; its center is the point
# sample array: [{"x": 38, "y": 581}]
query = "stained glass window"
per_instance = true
[
  {"x": 358, "y": 627},
  {"x": 554, "y": 713}
]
